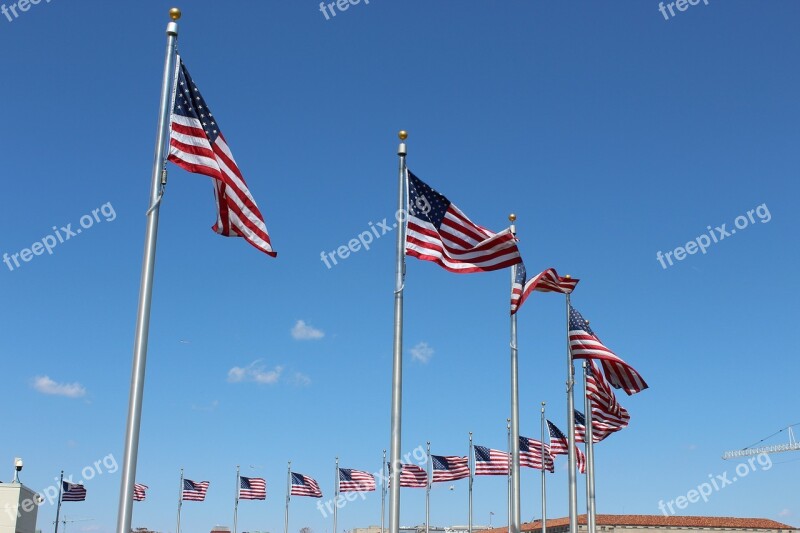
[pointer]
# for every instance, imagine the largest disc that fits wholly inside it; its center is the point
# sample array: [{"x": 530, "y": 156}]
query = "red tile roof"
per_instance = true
[{"x": 720, "y": 522}]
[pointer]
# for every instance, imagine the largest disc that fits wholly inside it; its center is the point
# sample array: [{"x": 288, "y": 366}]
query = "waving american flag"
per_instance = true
[
  {"x": 546, "y": 281},
  {"x": 305, "y": 486},
  {"x": 351, "y": 480},
  {"x": 449, "y": 468}
]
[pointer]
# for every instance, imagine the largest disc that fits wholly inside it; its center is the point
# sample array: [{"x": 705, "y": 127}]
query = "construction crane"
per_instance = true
[
  {"x": 754, "y": 449},
  {"x": 64, "y": 521}
]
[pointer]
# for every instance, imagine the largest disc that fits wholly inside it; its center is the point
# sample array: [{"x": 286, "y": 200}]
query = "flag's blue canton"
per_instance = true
[
  {"x": 576, "y": 322},
  {"x": 244, "y": 483},
  {"x": 579, "y": 418},
  {"x": 345, "y": 474},
  {"x": 524, "y": 444},
  {"x": 554, "y": 431},
  {"x": 190, "y": 103},
  {"x": 425, "y": 203},
  {"x": 298, "y": 479},
  {"x": 482, "y": 454},
  {"x": 521, "y": 275},
  {"x": 440, "y": 463},
  {"x": 188, "y": 485}
]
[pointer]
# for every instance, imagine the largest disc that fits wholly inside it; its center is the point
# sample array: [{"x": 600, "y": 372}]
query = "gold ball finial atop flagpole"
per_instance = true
[
  {"x": 174, "y": 13},
  {"x": 512, "y": 217},
  {"x": 402, "y": 134},
  {"x": 568, "y": 276}
]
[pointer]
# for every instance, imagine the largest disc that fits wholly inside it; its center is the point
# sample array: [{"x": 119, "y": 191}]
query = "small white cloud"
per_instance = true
[
  {"x": 255, "y": 372},
  {"x": 304, "y": 332},
  {"x": 45, "y": 385},
  {"x": 785, "y": 513},
  {"x": 422, "y": 352},
  {"x": 206, "y": 408},
  {"x": 301, "y": 379}
]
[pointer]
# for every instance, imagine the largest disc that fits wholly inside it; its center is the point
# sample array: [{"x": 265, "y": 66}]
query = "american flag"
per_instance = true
[
  {"x": 449, "y": 468},
  {"x": 546, "y": 281},
  {"x": 412, "y": 476},
  {"x": 438, "y": 231},
  {"x": 351, "y": 480},
  {"x": 580, "y": 427},
  {"x": 608, "y": 415},
  {"x": 197, "y": 145},
  {"x": 304, "y": 486},
  {"x": 584, "y": 344},
  {"x": 489, "y": 462},
  {"x": 194, "y": 491},
  {"x": 559, "y": 445},
  {"x": 252, "y": 488},
  {"x": 530, "y": 454},
  {"x": 73, "y": 492},
  {"x": 139, "y": 492}
]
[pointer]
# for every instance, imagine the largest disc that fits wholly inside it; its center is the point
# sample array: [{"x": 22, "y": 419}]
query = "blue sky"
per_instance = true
[{"x": 613, "y": 134}]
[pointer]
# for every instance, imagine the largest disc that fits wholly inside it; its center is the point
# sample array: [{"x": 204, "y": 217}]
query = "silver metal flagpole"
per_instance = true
[
  {"x": 60, "y": 489},
  {"x": 336, "y": 497},
  {"x": 513, "y": 525},
  {"x": 573, "y": 482},
  {"x": 158, "y": 183},
  {"x": 591, "y": 517},
  {"x": 471, "y": 466},
  {"x": 180, "y": 503},
  {"x": 288, "y": 497},
  {"x": 383, "y": 491},
  {"x": 236, "y": 501},
  {"x": 428, "y": 492},
  {"x": 508, "y": 476},
  {"x": 397, "y": 355},
  {"x": 544, "y": 478}
]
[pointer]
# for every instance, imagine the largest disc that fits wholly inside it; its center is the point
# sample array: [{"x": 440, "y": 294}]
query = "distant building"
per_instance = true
[
  {"x": 609, "y": 523},
  {"x": 221, "y": 529}
]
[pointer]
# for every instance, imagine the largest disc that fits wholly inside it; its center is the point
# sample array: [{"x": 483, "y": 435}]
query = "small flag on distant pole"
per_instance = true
[
  {"x": 252, "y": 488},
  {"x": 197, "y": 145},
  {"x": 584, "y": 344},
  {"x": 194, "y": 491},
  {"x": 412, "y": 476},
  {"x": 449, "y": 468},
  {"x": 559, "y": 445},
  {"x": 139, "y": 492},
  {"x": 305, "y": 486},
  {"x": 438, "y": 231},
  {"x": 546, "y": 281},
  {"x": 351, "y": 480},
  {"x": 73, "y": 492}
]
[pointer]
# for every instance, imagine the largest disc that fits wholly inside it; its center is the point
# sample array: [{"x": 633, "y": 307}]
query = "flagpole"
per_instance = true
[
  {"x": 508, "y": 476},
  {"x": 544, "y": 478},
  {"x": 397, "y": 355},
  {"x": 573, "y": 482},
  {"x": 591, "y": 517},
  {"x": 513, "y": 525},
  {"x": 470, "y": 465},
  {"x": 383, "y": 491},
  {"x": 336, "y": 497},
  {"x": 158, "y": 183},
  {"x": 60, "y": 490},
  {"x": 236, "y": 500},
  {"x": 288, "y": 497},
  {"x": 180, "y": 503},
  {"x": 428, "y": 493}
]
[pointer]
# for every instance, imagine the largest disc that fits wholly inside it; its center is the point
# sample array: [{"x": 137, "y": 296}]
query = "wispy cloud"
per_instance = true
[
  {"x": 255, "y": 372},
  {"x": 422, "y": 352},
  {"x": 304, "y": 332},
  {"x": 301, "y": 379},
  {"x": 206, "y": 408},
  {"x": 45, "y": 385},
  {"x": 785, "y": 513}
]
